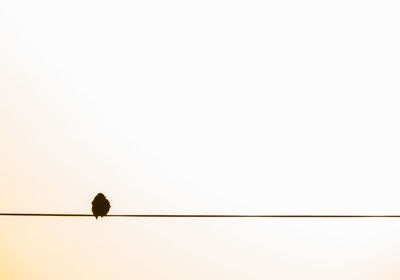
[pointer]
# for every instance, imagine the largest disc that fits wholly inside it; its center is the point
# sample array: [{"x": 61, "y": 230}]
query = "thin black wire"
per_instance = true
[{"x": 199, "y": 216}]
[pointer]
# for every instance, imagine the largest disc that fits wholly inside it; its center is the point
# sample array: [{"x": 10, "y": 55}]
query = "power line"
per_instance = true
[{"x": 198, "y": 216}]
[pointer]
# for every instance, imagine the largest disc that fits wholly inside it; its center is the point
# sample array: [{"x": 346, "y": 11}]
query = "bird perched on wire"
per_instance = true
[{"x": 100, "y": 205}]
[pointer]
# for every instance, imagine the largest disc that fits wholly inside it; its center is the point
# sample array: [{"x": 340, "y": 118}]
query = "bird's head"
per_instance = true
[{"x": 100, "y": 195}]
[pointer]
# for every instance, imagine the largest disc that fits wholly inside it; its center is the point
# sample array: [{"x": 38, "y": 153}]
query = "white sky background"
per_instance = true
[{"x": 247, "y": 107}]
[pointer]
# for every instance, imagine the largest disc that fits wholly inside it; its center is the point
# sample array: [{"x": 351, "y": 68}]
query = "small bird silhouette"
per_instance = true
[{"x": 100, "y": 205}]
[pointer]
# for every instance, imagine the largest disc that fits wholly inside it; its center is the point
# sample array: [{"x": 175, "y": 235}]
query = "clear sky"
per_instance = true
[{"x": 200, "y": 107}]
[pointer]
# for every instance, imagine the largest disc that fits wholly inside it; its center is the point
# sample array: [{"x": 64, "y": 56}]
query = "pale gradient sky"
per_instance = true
[{"x": 214, "y": 107}]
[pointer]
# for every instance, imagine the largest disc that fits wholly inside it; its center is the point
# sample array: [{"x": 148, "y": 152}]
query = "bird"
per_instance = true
[{"x": 100, "y": 205}]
